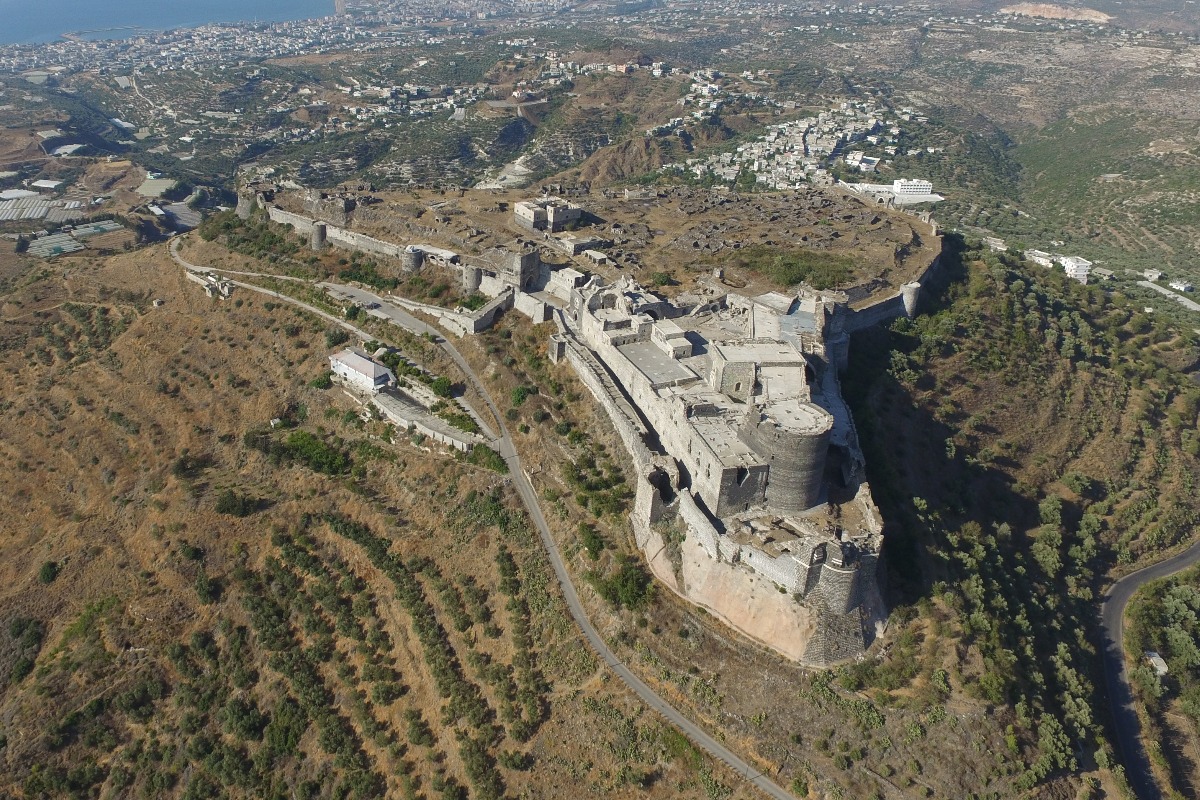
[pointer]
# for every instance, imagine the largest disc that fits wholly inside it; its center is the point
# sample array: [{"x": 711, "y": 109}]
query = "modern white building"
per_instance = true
[
  {"x": 1077, "y": 268},
  {"x": 1181, "y": 286},
  {"x": 903, "y": 187},
  {"x": 359, "y": 371}
]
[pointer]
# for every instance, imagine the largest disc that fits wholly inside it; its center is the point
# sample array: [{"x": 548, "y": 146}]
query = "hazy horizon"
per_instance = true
[{"x": 46, "y": 20}]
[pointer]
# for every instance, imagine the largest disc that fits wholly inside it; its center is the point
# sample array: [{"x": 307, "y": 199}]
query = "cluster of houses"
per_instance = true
[
  {"x": 801, "y": 151},
  {"x": 1076, "y": 268}
]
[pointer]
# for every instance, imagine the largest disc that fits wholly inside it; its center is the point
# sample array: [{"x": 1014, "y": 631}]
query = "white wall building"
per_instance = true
[
  {"x": 1077, "y": 268},
  {"x": 1039, "y": 257},
  {"x": 359, "y": 371},
  {"x": 903, "y": 186}
]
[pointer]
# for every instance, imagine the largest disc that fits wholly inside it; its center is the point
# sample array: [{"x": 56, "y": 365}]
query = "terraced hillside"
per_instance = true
[{"x": 200, "y": 603}]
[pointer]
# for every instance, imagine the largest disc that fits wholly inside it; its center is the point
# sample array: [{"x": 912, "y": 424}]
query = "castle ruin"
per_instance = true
[
  {"x": 751, "y": 499},
  {"x": 749, "y": 467}
]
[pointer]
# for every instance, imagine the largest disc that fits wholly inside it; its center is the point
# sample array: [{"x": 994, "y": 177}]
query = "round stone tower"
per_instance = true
[
  {"x": 910, "y": 293},
  {"x": 472, "y": 277},
  {"x": 411, "y": 259},
  {"x": 793, "y": 437},
  {"x": 245, "y": 205},
  {"x": 318, "y": 236}
]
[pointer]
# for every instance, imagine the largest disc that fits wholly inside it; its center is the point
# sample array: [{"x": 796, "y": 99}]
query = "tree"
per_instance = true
[
  {"x": 234, "y": 504},
  {"x": 335, "y": 337},
  {"x": 48, "y": 572},
  {"x": 207, "y": 589}
]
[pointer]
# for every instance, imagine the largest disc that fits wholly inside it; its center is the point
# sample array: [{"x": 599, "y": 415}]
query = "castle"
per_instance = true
[
  {"x": 751, "y": 499},
  {"x": 746, "y": 453}
]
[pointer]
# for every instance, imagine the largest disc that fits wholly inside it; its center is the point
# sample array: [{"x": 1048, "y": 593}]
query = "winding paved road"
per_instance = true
[
  {"x": 1120, "y": 696},
  {"x": 525, "y": 489}
]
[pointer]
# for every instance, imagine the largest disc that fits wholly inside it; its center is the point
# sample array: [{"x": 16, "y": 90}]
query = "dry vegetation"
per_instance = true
[{"x": 394, "y": 625}]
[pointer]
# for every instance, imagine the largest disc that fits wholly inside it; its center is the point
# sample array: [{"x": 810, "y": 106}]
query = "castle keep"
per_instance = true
[{"x": 747, "y": 453}]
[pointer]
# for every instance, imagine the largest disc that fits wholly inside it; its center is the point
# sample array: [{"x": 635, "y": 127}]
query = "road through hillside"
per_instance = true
[
  {"x": 525, "y": 489},
  {"x": 1120, "y": 696}
]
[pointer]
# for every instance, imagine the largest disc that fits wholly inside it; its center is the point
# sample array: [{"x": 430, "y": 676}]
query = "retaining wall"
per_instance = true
[
  {"x": 613, "y": 402},
  {"x": 889, "y": 309},
  {"x": 415, "y": 421}
]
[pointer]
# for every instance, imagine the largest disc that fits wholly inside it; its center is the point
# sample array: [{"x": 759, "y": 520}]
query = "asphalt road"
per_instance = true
[
  {"x": 525, "y": 489},
  {"x": 529, "y": 497},
  {"x": 1120, "y": 696}
]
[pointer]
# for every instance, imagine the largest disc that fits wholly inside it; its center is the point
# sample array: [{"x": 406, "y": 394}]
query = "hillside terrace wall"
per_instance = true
[{"x": 411, "y": 417}]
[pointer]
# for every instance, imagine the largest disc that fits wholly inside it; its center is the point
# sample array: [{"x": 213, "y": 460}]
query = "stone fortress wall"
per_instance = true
[{"x": 769, "y": 468}]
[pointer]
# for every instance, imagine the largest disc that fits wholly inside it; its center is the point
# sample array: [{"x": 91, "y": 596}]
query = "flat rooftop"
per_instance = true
[
  {"x": 783, "y": 383},
  {"x": 658, "y": 367},
  {"x": 719, "y": 432},
  {"x": 776, "y": 301},
  {"x": 764, "y": 353}
]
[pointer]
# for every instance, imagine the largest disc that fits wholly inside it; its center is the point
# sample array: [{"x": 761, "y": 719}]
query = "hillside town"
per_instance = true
[{"x": 813, "y": 149}]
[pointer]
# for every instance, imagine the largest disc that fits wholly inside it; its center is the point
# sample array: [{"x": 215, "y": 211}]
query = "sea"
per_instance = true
[{"x": 31, "y": 21}]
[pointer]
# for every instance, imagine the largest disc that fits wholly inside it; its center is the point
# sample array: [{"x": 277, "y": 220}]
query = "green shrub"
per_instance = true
[
  {"x": 236, "y": 505},
  {"x": 48, "y": 572},
  {"x": 316, "y": 454},
  {"x": 629, "y": 587},
  {"x": 521, "y": 394},
  {"x": 593, "y": 542},
  {"x": 207, "y": 589},
  {"x": 482, "y": 456},
  {"x": 335, "y": 337}
]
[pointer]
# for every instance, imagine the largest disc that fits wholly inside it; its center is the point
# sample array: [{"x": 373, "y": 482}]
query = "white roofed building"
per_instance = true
[
  {"x": 904, "y": 186},
  {"x": 359, "y": 371},
  {"x": 1039, "y": 257},
  {"x": 1077, "y": 268}
]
